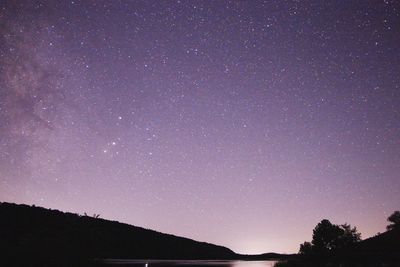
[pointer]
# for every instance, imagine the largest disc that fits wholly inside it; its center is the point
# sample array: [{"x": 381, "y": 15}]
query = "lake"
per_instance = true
[{"x": 188, "y": 263}]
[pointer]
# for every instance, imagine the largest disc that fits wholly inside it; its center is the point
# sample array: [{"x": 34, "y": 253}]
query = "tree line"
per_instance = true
[{"x": 328, "y": 238}]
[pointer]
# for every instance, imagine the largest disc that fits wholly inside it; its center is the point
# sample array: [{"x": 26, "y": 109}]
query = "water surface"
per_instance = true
[{"x": 188, "y": 263}]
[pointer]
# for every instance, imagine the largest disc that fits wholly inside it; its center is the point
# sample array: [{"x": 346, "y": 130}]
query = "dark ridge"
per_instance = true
[
  {"x": 384, "y": 247},
  {"x": 382, "y": 250},
  {"x": 267, "y": 256},
  {"x": 35, "y": 234}
]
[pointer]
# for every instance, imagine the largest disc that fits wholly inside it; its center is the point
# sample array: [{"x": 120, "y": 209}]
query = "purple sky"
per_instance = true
[{"x": 232, "y": 122}]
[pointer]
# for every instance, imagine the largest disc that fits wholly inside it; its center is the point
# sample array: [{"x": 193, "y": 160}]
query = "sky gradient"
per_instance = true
[{"x": 241, "y": 123}]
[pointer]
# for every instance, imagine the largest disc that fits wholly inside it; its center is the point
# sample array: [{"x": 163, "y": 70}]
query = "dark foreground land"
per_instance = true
[
  {"x": 34, "y": 236},
  {"x": 382, "y": 250}
]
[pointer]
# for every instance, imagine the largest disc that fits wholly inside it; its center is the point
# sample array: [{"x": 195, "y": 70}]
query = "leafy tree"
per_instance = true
[
  {"x": 325, "y": 236},
  {"x": 394, "y": 219},
  {"x": 349, "y": 235},
  {"x": 306, "y": 248},
  {"x": 328, "y": 237}
]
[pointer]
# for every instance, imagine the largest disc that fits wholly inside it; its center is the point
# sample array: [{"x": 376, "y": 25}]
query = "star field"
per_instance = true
[{"x": 241, "y": 123}]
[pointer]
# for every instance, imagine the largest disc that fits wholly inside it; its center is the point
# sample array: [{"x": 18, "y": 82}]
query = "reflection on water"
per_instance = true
[
  {"x": 253, "y": 263},
  {"x": 188, "y": 263}
]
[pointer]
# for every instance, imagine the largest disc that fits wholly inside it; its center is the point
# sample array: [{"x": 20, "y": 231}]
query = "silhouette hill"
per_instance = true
[
  {"x": 340, "y": 245},
  {"x": 40, "y": 234},
  {"x": 384, "y": 247}
]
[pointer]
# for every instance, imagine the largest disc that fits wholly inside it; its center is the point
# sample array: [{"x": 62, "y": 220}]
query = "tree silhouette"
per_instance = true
[
  {"x": 394, "y": 219},
  {"x": 349, "y": 235},
  {"x": 328, "y": 237},
  {"x": 305, "y": 248},
  {"x": 325, "y": 236}
]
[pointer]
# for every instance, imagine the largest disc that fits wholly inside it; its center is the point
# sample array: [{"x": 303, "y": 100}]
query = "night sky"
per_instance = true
[{"x": 241, "y": 123}]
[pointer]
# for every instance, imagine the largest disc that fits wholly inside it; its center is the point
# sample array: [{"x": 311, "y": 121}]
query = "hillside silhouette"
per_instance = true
[
  {"x": 35, "y": 236},
  {"x": 383, "y": 247},
  {"x": 43, "y": 235},
  {"x": 341, "y": 245}
]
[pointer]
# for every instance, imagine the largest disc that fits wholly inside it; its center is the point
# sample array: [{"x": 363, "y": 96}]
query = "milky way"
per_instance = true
[
  {"x": 242, "y": 123},
  {"x": 29, "y": 91}
]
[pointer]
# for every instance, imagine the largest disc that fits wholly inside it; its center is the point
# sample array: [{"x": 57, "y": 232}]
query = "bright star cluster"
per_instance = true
[{"x": 241, "y": 123}]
